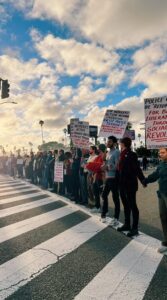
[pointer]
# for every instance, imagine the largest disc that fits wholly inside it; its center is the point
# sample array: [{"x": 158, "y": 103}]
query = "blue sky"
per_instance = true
[{"x": 66, "y": 59}]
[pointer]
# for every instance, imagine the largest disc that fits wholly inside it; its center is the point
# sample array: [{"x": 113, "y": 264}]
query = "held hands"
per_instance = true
[{"x": 144, "y": 183}]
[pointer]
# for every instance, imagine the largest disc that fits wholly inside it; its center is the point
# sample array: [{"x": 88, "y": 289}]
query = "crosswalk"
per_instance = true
[{"x": 51, "y": 248}]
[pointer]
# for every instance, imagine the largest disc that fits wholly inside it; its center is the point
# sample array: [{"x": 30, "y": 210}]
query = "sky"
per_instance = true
[{"x": 75, "y": 59}]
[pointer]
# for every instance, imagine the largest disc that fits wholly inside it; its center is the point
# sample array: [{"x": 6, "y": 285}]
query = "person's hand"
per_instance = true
[{"x": 144, "y": 183}]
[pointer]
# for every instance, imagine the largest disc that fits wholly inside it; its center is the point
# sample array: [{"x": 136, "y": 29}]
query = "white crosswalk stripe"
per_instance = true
[
  {"x": 17, "y": 190},
  {"x": 21, "y": 197},
  {"x": 18, "y": 228},
  {"x": 126, "y": 276},
  {"x": 23, "y": 207}
]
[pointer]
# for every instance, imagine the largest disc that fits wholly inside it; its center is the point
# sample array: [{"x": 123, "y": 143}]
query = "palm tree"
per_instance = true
[{"x": 129, "y": 126}]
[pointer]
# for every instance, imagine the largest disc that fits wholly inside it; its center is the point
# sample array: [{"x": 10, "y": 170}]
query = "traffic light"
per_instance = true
[{"x": 4, "y": 89}]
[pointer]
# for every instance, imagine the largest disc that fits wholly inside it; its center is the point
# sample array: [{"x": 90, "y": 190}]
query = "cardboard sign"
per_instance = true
[
  {"x": 58, "y": 172},
  {"x": 80, "y": 134},
  {"x": 156, "y": 122},
  {"x": 130, "y": 134},
  {"x": 19, "y": 161},
  {"x": 114, "y": 123}
]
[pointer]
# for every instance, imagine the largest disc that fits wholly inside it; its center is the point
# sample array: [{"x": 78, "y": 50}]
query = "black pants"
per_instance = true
[
  {"x": 128, "y": 197},
  {"x": 97, "y": 190},
  {"x": 111, "y": 184}
]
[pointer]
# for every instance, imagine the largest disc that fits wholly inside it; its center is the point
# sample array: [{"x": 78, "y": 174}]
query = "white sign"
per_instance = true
[
  {"x": 80, "y": 134},
  {"x": 19, "y": 161},
  {"x": 130, "y": 134},
  {"x": 58, "y": 171},
  {"x": 156, "y": 122},
  {"x": 114, "y": 123}
]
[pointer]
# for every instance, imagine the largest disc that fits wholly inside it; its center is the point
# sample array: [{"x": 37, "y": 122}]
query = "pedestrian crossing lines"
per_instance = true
[{"x": 62, "y": 252}]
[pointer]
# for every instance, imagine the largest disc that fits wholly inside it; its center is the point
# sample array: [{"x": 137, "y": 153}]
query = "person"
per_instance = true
[
  {"x": 95, "y": 167},
  {"x": 67, "y": 173},
  {"x": 83, "y": 177},
  {"x": 144, "y": 163},
  {"x": 111, "y": 182},
  {"x": 92, "y": 156},
  {"x": 75, "y": 166},
  {"x": 129, "y": 173},
  {"x": 160, "y": 174}
]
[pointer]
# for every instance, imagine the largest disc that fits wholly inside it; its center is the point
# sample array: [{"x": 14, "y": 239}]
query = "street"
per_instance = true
[{"x": 53, "y": 249}]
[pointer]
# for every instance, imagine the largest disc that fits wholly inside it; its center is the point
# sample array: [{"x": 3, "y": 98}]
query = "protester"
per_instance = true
[
  {"x": 95, "y": 167},
  {"x": 76, "y": 159},
  {"x": 129, "y": 172},
  {"x": 160, "y": 174},
  {"x": 111, "y": 182},
  {"x": 91, "y": 158},
  {"x": 83, "y": 177},
  {"x": 20, "y": 166},
  {"x": 67, "y": 174},
  {"x": 144, "y": 163}
]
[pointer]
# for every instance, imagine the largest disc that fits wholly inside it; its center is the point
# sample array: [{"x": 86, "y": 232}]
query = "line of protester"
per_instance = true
[{"x": 89, "y": 177}]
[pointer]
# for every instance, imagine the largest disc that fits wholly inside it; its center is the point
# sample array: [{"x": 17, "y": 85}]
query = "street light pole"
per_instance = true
[
  {"x": 65, "y": 132},
  {"x": 41, "y": 123}
]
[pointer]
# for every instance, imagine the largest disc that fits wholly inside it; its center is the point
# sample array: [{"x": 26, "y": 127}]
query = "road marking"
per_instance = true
[
  {"x": 22, "y": 269},
  {"x": 13, "y": 230},
  {"x": 11, "y": 188},
  {"x": 16, "y": 191},
  {"x": 17, "y": 198},
  {"x": 8, "y": 184},
  {"x": 23, "y": 207},
  {"x": 128, "y": 275}
]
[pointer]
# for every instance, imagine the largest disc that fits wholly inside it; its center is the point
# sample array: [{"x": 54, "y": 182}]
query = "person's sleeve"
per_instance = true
[
  {"x": 153, "y": 177},
  {"x": 94, "y": 166},
  {"x": 139, "y": 171}
]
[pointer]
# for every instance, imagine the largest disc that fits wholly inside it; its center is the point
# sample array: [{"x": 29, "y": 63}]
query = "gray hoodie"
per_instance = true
[{"x": 112, "y": 159}]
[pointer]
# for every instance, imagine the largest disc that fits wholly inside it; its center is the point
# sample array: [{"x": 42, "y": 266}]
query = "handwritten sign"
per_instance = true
[
  {"x": 114, "y": 123},
  {"x": 156, "y": 122},
  {"x": 58, "y": 172},
  {"x": 80, "y": 134}
]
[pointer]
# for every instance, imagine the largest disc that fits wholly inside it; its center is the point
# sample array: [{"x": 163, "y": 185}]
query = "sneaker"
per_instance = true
[
  {"x": 103, "y": 219},
  {"x": 132, "y": 232},
  {"x": 123, "y": 228},
  {"x": 95, "y": 210},
  {"x": 162, "y": 249},
  {"x": 114, "y": 222}
]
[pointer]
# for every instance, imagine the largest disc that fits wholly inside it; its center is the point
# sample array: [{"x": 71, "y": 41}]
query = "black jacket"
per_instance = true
[{"x": 130, "y": 171}]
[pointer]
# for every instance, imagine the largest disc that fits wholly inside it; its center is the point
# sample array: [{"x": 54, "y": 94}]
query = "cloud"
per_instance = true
[
  {"x": 75, "y": 58},
  {"x": 114, "y": 24}
]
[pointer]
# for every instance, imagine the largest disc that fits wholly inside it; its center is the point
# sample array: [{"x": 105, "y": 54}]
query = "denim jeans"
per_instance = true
[{"x": 163, "y": 214}]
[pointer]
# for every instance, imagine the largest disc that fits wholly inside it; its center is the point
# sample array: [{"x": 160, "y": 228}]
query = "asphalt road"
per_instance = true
[
  {"x": 148, "y": 208},
  {"x": 51, "y": 248}
]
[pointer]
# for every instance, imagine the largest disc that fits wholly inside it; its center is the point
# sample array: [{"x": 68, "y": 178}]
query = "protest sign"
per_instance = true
[
  {"x": 114, "y": 123},
  {"x": 156, "y": 122},
  {"x": 58, "y": 172},
  {"x": 80, "y": 134},
  {"x": 130, "y": 134},
  {"x": 19, "y": 161}
]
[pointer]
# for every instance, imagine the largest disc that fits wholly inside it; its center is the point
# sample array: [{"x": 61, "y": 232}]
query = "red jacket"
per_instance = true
[{"x": 95, "y": 167}]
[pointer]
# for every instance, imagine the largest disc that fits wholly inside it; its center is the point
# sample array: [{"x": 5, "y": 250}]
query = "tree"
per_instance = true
[
  {"x": 50, "y": 146},
  {"x": 129, "y": 126}
]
